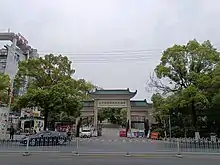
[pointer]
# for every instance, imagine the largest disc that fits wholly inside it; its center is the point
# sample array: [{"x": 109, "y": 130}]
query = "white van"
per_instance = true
[{"x": 86, "y": 133}]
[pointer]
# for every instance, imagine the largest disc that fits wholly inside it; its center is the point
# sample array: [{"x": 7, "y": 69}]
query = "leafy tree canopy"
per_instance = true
[
  {"x": 190, "y": 64},
  {"x": 59, "y": 97},
  {"x": 114, "y": 115},
  {"x": 45, "y": 71},
  {"x": 188, "y": 76},
  {"x": 4, "y": 81},
  {"x": 4, "y": 84},
  {"x": 51, "y": 87}
]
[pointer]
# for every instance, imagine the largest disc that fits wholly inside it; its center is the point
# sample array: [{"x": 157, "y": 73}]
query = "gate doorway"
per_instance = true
[
  {"x": 134, "y": 110},
  {"x": 112, "y": 120}
]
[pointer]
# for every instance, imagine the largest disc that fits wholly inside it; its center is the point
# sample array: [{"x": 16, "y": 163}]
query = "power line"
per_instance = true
[
  {"x": 114, "y": 56},
  {"x": 137, "y": 58},
  {"x": 142, "y": 55},
  {"x": 113, "y": 52},
  {"x": 110, "y": 61},
  {"x": 121, "y": 60},
  {"x": 120, "y": 52}
]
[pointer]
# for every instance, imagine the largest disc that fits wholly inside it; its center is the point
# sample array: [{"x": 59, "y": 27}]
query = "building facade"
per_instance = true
[
  {"x": 10, "y": 55},
  {"x": 31, "y": 119}
]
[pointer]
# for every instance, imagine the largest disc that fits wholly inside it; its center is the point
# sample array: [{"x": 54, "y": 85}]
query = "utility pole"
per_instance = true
[
  {"x": 9, "y": 105},
  {"x": 170, "y": 126},
  {"x": 165, "y": 132},
  {"x": 11, "y": 93}
]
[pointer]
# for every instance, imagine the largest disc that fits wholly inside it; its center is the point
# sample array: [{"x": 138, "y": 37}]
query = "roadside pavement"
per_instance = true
[{"x": 60, "y": 159}]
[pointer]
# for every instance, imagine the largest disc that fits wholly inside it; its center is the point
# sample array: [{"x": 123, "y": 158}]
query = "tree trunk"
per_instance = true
[
  {"x": 46, "y": 113},
  {"x": 194, "y": 116}
]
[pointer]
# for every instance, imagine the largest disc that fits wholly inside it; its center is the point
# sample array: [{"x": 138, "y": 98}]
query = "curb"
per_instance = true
[
  {"x": 126, "y": 154},
  {"x": 16, "y": 152}
]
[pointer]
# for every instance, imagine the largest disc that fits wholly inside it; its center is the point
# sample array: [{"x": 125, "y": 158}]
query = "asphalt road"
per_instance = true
[
  {"x": 102, "y": 144},
  {"x": 58, "y": 159},
  {"x": 109, "y": 142},
  {"x": 91, "y": 145}
]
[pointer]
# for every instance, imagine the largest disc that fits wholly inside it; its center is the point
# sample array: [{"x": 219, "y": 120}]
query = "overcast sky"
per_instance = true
[{"x": 112, "y": 43}]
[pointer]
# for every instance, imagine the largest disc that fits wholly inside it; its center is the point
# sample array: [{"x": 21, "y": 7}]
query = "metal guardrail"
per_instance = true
[
  {"x": 120, "y": 145},
  {"x": 193, "y": 145},
  {"x": 189, "y": 139}
]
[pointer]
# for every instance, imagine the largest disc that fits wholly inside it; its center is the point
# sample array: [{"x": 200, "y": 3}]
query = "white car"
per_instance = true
[{"x": 86, "y": 133}]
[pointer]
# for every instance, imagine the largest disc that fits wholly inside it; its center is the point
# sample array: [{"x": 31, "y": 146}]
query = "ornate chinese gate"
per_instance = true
[{"x": 136, "y": 109}]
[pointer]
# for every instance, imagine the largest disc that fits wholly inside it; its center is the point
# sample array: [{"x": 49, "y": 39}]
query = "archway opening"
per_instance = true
[
  {"x": 140, "y": 124},
  {"x": 28, "y": 124},
  {"x": 112, "y": 120}
]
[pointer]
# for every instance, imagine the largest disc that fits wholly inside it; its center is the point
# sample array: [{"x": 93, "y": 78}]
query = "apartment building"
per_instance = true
[{"x": 10, "y": 55}]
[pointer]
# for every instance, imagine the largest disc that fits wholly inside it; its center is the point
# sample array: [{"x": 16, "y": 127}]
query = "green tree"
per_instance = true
[
  {"x": 60, "y": 98},
  {"x": 84, "y": 87},
  {"x": 123, "y": 117},
  {"x": 4, "y": 81},
  {"x": 50, "y": 87},
  {"x": 114, "y": 115},
  {"x": 213, "y": 112},
  {"x": 189, "y": 71},
  {"x": 44, "y": 72},
  {"x": 63, "y": 117},
  {"x": 161, "y": 107},
  {"x": 184, "y": 65},
  {"x": 4, "y": 84}
]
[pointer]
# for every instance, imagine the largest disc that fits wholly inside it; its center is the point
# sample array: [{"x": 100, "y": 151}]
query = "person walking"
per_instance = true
[{"x": 12, "y": 132}]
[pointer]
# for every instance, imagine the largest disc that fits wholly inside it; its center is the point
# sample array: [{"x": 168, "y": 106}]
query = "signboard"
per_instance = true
[
  {"x": 4, "y": 115},
  {"x": 62, "y": 127},
  {"x": 21, "y": 39},
  {"x": 138, "y": 118},
  {"x": 30, "y": 113},
  {"x": 154, "y": 135},
  {"x": 36, "y": 113},
  {"x": 112, "y": 103}
]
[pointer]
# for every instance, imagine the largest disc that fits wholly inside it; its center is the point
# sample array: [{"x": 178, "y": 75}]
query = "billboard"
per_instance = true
[{"x": 4, "y": 115}]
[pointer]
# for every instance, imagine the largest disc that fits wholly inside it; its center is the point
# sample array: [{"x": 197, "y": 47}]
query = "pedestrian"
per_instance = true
[
  {"x": 12, "y": 132},
  {"x": 69, "y": 135}
]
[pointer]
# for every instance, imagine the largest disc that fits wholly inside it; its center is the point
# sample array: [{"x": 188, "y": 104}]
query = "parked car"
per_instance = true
[
  {"x": 45, "y": 138},
  {"x": 86, "y": 133}
]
